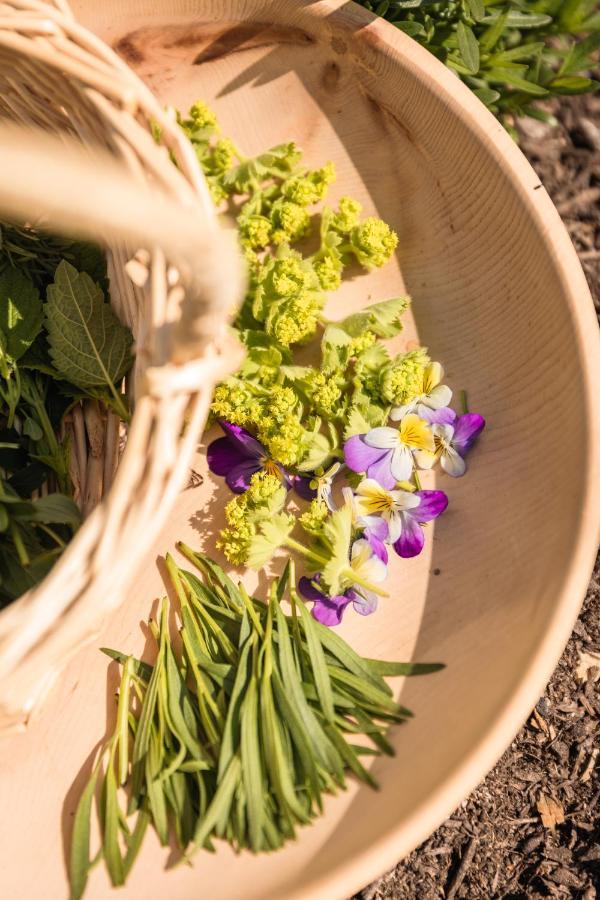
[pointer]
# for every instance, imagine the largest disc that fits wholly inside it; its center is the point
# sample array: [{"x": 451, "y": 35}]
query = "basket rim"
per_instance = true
[{"x": 348, "y": 876}]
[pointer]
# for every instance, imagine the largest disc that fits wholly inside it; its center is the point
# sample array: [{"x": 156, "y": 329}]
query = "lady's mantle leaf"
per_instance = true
[
  {"x": 88, "y": 344},
  {"x": 20, "y": 313},
  {"x": 271, "y": 535}
]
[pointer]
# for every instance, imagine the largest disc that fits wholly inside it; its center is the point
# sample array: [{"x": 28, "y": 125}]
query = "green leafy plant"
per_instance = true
[
  {"x": 239, "y": 728},
  {"x": 511, "y": 53}
]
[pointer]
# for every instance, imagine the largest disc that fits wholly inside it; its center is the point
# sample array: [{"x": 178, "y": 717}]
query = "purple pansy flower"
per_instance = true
[
  {"x": 403, "y": 513},
  {"x": 330, "y": 610},
  {"x": 238, "y": 456},
  {"x": 386, "y": 454},
  {"x": 452, "y": 442}
]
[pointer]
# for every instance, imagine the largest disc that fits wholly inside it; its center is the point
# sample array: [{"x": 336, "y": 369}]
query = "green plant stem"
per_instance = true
[
  {"x": 22, "y": 553},
  {"x": 310, "y": 555}
]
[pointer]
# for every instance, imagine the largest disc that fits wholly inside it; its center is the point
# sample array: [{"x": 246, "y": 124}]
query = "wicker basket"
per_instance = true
[{"x": 102, "y": 175}]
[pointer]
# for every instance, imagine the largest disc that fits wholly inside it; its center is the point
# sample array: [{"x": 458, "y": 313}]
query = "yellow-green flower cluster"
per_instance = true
[
  {"x": 265, "y": 497},
  {"x": 373, "y": 242},
  {"x": 279, "y": 427},
  {"x": 314, "y": 518},
  {"x": 309, "y": 188},
  {"x": 402, "y": 379},
  {"x": 325, "y": 390}
]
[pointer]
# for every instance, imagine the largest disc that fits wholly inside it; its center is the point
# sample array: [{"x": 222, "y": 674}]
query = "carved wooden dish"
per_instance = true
[{"x": 500, "y": 298}]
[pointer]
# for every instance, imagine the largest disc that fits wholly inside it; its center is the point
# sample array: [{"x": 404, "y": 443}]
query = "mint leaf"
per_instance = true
[
  {"x": 383, "y": 319},
  {"x": 88, "y": 345},
  {"x": 21, "y": 313}
]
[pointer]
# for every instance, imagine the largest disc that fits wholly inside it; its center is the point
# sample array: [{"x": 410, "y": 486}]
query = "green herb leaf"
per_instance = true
[
  {"x": 21, "y": 314},
  {"x": 88, "y": 344},
  {"x": 383, "y": 319},
  {"x": 468, "y": 46},
  {"x": 79, "y": 859}
]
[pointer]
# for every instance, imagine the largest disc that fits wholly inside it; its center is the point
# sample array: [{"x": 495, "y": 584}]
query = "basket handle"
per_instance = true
[{"x": 85, "y": 193}]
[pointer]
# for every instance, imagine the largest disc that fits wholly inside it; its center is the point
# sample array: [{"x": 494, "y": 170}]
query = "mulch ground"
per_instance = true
[{"x": 532, "y": 829}]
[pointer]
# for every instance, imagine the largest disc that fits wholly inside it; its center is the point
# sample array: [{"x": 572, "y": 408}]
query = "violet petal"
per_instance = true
[
  {"x": 381, "y": 471},
  {"x": 222, "y": 456},
  {"x": 411, "y": 540},
  {"x": 432, "y": 505},
  {"x": 309, "y": 590},
  {"x": 239, "y": 437},
  {"x": 329, "y": 610},
  {"x": 466, "y": 429},
  {"x": 359, "y": 456},
  {"x": 239, "y": 477},
  {"x": 301, "y": 484}
]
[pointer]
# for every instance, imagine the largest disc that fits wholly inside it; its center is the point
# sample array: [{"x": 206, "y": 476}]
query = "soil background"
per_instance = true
[{"x": 532, "y": 829}]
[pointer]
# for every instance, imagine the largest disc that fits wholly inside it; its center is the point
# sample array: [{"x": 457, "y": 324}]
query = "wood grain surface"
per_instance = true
[{"x": 500, "y": 298}]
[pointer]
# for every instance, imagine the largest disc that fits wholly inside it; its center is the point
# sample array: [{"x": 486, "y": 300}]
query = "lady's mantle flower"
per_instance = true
[
  {"x": 452, "y": 443},
  {"x": 403, "y": 511},
  {"x": 237, "y": 457},
  {"x": 432, "y": 398},
  {"x": 329, "y": 610},
  {"x": 386, "y": 454}
]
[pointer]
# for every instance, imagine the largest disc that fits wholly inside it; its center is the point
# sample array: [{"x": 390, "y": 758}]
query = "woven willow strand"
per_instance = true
[{"x": 56, "y": 75}]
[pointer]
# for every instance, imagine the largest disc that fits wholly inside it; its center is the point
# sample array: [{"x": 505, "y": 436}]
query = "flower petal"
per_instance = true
[
  {"x": 309, "y": 590},
  {"x": 466, "y": 429},
  {"x": 301, "y": 484},
  {"x": 359, "y": 455},
  {"x": 366, "y": 603},
  {"x": 453, "y": 463},
  {"x": 383, "y": 438},
  {"x": 425, "y": 459},
  {"x": 375, "y": 525},
  {"x": 329, "y": 610},
  {"x": 398, "y": 412},
  {"x": 432, "y": 505},
  {"x": 411, "y": 540},
  {"x": 239, "y": 477},
  {"x": 416, "y": 434},
  {"x": 381, "y": 470},
  {"x": 444, "y": 416},
  {"x": 222, "y": 456},
  {"x": 240, "y": 438},
  {"x": 401, "y": 464},
  {"x": 377, "y": 546},
  {"x": 439, "y": 397},
  {"x": 432, "y": 377}
]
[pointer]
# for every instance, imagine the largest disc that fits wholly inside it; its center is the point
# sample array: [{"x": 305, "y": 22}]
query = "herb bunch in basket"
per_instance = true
[{"x": 63, "y": 357}]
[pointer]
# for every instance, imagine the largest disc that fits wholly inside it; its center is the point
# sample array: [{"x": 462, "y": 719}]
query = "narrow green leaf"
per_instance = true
[
  {"x": 79, "y": 860},
  {"x": 382, "y": 667},
  {"x": 112, "y": 852},
  {"x": 468, "y": 46},
  {"x": 318, "y": 663}
]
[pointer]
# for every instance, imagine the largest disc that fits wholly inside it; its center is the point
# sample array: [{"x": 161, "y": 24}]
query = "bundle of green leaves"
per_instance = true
[
  {"x": 60, "y": 343},
  {"x": 511, "y": 53},
  {"x": 237, "y": 731}
]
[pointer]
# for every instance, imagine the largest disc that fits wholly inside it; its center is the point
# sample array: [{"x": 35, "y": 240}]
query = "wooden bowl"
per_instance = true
[{"x": 500, "y": 298}]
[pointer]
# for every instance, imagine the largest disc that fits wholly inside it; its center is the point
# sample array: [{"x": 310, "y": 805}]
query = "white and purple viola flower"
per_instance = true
[
  {"x": 403, "y": 513},
  {"x": 432, "y": 403},
  {"x": 452, "y": 442},
  {"x": 238, "y": 456},
  {"x": 387, "y": 454},
  {"x": 329, "y": 610}
]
